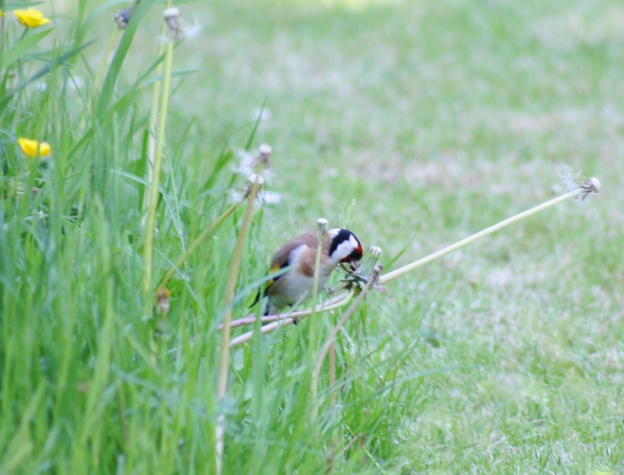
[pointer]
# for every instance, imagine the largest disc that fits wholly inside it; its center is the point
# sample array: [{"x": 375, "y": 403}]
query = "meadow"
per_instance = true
[{"x": 412, "y": 123}]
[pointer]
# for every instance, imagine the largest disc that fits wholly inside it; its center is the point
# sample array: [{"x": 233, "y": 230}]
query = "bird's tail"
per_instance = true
[{"x": 259, "y": 296}]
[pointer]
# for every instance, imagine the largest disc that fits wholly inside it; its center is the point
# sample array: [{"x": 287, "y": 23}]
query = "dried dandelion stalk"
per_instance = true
[
  {"x": 294, "y": 317},
  {"x": 581, "y": 191},
  {"x": 255, "y": 182}
]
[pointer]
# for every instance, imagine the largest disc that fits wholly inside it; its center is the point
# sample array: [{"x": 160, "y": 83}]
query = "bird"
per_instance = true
[{"x": 298, "y": 257}]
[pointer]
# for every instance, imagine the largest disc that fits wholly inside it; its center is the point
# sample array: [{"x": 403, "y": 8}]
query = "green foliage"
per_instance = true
[{"x": 435, "y": 118}]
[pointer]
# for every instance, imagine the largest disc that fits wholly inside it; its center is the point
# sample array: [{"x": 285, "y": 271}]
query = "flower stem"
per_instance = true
[
  {"x": 337, "y": 302},
  {"x": 481, "y": 234},
  {"x": 153, "y": 195},
  {"x": 151, "y": 140},
  {"x": 255, "y": 183}
]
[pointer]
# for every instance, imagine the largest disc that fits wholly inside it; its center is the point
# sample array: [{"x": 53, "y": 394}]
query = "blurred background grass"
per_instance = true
[{"x": 437, "y": 119}]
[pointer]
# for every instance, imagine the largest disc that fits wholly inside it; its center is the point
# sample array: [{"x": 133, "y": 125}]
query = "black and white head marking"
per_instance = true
[{"x": 345, "y": 247}]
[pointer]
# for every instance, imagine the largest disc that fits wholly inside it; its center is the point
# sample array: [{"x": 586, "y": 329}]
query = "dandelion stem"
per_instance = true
[
  {"x": 481, "y": 234},
  {"x": 255, "y": 183},
  {"x": 336, "y": 302},
  {"x": 151, "y": 140},
  {"x": 154, "y": 184}
]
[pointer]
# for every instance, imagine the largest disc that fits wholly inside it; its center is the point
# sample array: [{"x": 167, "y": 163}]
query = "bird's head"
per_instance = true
[{"x": 345, "y": 247}]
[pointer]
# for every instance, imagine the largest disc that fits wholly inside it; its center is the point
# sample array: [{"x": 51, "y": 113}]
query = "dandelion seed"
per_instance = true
[
  {"x": 190, "y": 31},
  {"x": 248, "y": 162},
  {"x": 31, "y": 18},
  {"x": 33, "y": 148},
  {"x": 262, "y": 114},
  {"x": 271, "y": 197},
  {"x": 245, "y": 163}
]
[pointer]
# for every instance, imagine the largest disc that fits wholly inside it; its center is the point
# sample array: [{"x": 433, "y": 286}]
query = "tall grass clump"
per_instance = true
[{"x": 102, "y": 369}]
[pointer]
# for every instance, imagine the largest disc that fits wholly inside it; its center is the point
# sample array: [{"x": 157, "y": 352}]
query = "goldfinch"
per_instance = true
[{"x": 299, "y": 256}]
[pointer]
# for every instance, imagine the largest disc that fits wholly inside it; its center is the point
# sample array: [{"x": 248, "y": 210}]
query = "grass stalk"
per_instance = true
[
  {"x": 109, "y": 49},
  {"x": 148, "y": 251},
  {"x": 197, "y": 242},
  {"x": 590, "y": 186},
  {"x": 151, "y": 140},
  {"x": 332, "y": 338},
  {"x": 255, "y": 182},
  {"x": 322, "y": 231},
  {"x": 332, "y": 370}
]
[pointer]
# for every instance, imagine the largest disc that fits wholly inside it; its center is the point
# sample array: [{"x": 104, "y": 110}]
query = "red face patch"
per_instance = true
[{"x": 355, "y": 255}]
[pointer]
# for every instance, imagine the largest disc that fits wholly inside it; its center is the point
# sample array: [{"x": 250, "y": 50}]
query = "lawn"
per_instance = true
[{"x": 412, "y": 123}]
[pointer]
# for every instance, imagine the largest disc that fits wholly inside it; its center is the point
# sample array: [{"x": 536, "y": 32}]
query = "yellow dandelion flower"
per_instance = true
[
  {"x": 31, "y": 17},
  {"x": 32, "y": 148},
  {"x": 2, "y": 13}
]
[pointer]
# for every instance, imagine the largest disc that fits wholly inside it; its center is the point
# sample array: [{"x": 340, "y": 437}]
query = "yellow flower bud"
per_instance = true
[
  {"x": 31, "y": 17},
  {"x": 32, "y": 148}
]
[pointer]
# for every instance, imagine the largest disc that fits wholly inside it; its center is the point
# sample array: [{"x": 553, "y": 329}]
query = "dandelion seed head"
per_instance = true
[
  {"x": 172, "y": 18},
  {"x": 264, "y": 154},
  {"x": 595, "y": 183},
  {"x": 255, "y": 178},
  {"x": 265, "y": 149},
  {"x": 577, "y": 182},
  {"x": 171, "y": 13}
]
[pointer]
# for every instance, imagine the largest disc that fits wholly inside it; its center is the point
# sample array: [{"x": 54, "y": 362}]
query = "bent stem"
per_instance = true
[
  {"x": 336, "y": 302},
  {"x": 492, "y": 229},
  {"x": 255, "y": 183},
  {"x": 250, "y": 320}
]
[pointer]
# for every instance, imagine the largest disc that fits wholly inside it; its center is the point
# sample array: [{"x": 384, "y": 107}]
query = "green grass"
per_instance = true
[{"x": 438, "y": 119}]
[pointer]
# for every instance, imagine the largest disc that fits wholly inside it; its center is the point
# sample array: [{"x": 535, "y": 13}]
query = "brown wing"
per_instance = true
[{"x": 310, "y": 240}]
